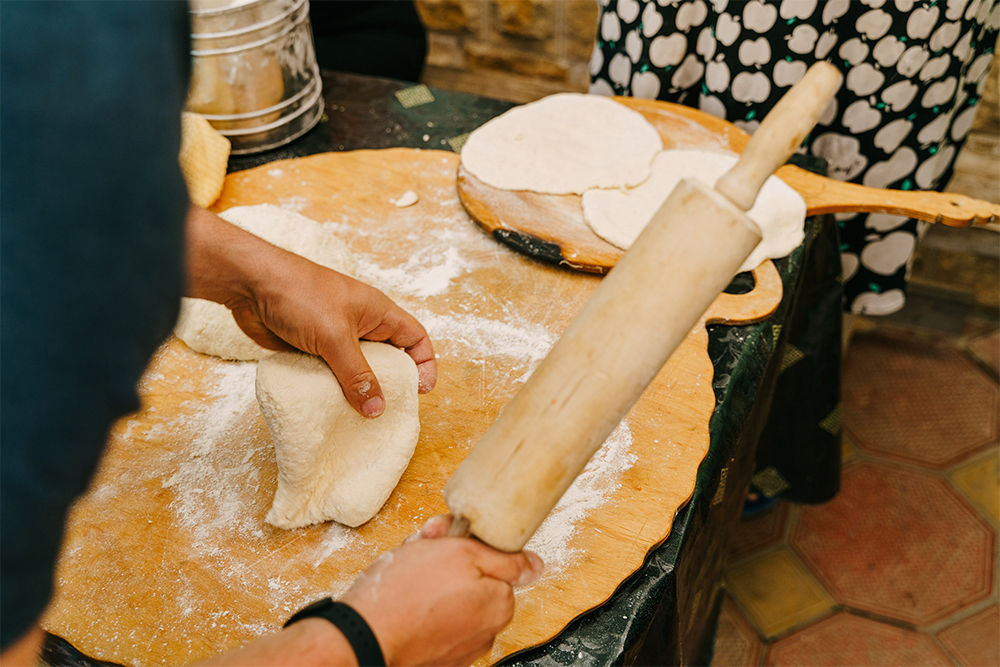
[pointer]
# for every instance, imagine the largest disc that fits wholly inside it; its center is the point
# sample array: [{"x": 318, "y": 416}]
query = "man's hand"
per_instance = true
[
  {"x": 284, "y": 301},
  {"x": 434, "y": 600},
  {"x": 440, "y": 601}
]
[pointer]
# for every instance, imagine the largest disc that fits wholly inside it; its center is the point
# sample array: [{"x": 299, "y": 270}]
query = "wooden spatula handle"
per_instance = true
[
  {"x": 825, "y": 195},
  {"x": 780, "y": 133}
]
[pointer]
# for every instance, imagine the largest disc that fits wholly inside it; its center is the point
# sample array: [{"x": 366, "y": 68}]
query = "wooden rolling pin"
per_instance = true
[{"x": 623, "y": 335}]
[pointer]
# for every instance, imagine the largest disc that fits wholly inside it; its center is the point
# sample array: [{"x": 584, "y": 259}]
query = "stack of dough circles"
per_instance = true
[{"x": 619, "y": 216}]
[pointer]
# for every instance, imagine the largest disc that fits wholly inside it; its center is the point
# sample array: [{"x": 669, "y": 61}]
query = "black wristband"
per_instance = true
[{"x": 354, "y": 628}]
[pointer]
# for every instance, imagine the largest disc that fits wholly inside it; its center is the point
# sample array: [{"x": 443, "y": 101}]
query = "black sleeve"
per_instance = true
[{"x": 91, "y": 244}]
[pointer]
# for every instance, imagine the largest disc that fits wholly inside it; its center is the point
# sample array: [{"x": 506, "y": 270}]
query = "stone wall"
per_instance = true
[{"x": 517, "y": 50}]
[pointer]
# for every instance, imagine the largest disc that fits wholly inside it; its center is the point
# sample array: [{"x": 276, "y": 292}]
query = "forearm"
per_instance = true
[
  {"x": 26, "y": 650},
  {"x": 313, "y": 641},
  {"x": 222, "y": 260}
]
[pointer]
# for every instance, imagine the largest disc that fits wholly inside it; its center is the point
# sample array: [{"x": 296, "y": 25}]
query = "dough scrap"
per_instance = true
[
  {"x": 408, "y": 198},
  {"x": 332, "y": 462},
  {"x": 563, "y": 144},
  {"x": 209, "y": 327},
  {"x": 619, "y": 216}
]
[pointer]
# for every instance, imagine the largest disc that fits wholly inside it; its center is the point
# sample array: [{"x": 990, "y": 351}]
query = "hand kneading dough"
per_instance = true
[
  {"x": 332, "y": 462},
  {"x": 619, "y": 216},
  {"x": 209, "y": 327},
  {"x": 563, "y": 144}
]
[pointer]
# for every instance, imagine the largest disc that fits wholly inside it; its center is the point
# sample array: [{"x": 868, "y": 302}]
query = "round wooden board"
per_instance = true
[
  {"x": 551, "y": 227},
  {"x": 168, "y": 560}
]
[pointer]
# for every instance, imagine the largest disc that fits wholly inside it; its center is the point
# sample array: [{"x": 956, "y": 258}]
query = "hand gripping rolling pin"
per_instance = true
[{"x": 623, "y": 335}]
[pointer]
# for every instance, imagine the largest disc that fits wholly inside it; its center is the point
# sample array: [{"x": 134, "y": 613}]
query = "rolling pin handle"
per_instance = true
[{"x": 780, "y": 133}]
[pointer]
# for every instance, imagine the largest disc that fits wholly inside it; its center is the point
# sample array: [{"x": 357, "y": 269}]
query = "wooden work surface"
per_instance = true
[{"x": 167, "y": 559}]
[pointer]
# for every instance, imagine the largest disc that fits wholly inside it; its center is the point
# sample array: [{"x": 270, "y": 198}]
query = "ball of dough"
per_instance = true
[
  {"x": 209, "y": 327},
  {"x": 619, "y": 216},
  {"x": 332, "y": 462},
  {"x": 563, "y": 144}
]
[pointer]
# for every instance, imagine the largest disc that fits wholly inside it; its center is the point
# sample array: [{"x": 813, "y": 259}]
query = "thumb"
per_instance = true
[
  {"x": 361, "y": 387},
  {"x": 518, "y": 569}
]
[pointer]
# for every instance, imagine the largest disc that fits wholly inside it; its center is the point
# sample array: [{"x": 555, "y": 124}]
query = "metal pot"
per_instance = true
[{"x": 254, "y": 75}]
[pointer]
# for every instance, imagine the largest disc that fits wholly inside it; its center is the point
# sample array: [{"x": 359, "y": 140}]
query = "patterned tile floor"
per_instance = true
[{"x": 901, "y": 567}]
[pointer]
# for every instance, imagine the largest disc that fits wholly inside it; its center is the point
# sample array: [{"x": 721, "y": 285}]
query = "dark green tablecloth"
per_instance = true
[{"x": 787, "y": 366}]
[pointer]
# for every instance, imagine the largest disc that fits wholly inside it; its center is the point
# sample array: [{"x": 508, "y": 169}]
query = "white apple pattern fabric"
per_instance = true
[{"x": 914, "y": 71}]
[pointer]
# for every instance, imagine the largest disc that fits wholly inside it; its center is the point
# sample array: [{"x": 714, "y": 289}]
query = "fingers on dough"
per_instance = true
[{"x": 209, "y": 327}]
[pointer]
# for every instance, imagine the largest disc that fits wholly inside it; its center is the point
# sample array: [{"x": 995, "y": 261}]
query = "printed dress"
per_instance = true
[{"x": 914, "y": 71}]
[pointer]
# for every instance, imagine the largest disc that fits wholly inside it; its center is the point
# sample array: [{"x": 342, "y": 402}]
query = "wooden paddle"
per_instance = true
[{"x": 623, "y": 335}]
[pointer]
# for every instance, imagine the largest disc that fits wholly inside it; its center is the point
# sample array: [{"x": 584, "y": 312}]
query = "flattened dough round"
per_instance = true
[
  {"x": 209, "y": 327},
  {"x": 619, "y": 216},
  {"x": 563, "y": 144},
  {"x": 332, "y": 462}
]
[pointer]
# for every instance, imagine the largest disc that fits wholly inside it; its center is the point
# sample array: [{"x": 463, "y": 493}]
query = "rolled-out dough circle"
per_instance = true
[
  {"x": 619, "y": 216},
  {"x": 332, "y": 462},
  {"x": 563, "y": 144},
  {"x": 209, "y": 327}
]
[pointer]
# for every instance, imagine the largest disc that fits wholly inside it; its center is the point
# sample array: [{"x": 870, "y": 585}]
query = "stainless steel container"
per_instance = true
[{"x": 254, "y": 75}]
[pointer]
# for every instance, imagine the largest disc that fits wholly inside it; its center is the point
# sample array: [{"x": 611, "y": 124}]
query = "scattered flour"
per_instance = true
[
  {"x": 232, "y": 397},
  {"x": 596, "y": 483},
  {"x": 207, "y": 499},
  {"x": 427, "y": 273},
  {"x": 296, "y": 204},
  {"x": 519, "y": 342}
]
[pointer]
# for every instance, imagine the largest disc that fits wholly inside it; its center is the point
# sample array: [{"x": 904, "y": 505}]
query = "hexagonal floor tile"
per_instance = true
[
  {"x": 777, "y": 591},
  {"x": 756, "y": 532},
  {"x": 979, "y": 481},
  {"x": 975, "y": 640},
  {"x": 736, "y": 643},
  {"x": 898, "y": 543},
  {"x": 917, "y": 401},
  {"x": 844, "y": 639},
  {"x": 987, "y": 350}
]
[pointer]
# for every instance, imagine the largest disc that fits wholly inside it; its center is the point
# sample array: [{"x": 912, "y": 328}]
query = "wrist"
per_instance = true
[
  {"x": 322, "y": 643},
  {"x": 314, "y": 641},
  {"x": 353, "y": 628},
  {"x": 224, "y": 262}
]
